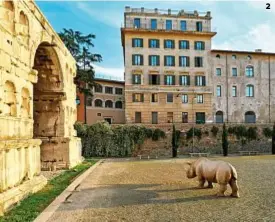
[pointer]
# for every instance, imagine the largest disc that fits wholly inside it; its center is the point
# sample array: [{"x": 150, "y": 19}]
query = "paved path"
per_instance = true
[{"x": 121, "y": 190}]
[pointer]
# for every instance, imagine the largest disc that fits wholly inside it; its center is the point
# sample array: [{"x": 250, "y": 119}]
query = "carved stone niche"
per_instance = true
[
  {"x": 25, "y": 105},
  {"x": 9, "y": 108}
]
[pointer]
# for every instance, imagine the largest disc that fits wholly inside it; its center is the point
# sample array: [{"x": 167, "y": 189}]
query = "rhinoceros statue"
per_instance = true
[{"x": 219, "y": 172}]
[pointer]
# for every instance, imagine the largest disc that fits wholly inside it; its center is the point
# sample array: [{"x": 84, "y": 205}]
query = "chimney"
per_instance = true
[
  {"x": 258, "y": 50},
  {"x": 156, "y": 10},
  {"x": 127, "y": 9},
  {"x": 169, "y": 11}
]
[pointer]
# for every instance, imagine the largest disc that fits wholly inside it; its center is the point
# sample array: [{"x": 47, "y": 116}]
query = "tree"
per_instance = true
[
  {"x": 175, "y": 141},
  {"x": 273, "y": 140},
  {"x": 224, "y": 141},
  {"x": 79, "y": 46}
]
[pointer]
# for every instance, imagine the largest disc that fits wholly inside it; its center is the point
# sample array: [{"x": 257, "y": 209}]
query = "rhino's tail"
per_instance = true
[{"x": 234, "y": 173}]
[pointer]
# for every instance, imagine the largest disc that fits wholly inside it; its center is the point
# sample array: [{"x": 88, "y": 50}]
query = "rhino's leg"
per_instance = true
[
  {"x": 223, "y": 188},
  {"x": 201, "y": 183},
  {"x": 235, "y": 188},
  {"x": 210, "y": 185}
]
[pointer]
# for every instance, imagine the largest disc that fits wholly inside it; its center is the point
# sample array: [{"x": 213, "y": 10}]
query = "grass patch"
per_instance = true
[{"x": 33, "y": 205}]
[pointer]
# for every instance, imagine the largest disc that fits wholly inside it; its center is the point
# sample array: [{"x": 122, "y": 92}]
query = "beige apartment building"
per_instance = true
[
  {"x": 172, "y": 74},
  {"x": 107, "y": 102}
]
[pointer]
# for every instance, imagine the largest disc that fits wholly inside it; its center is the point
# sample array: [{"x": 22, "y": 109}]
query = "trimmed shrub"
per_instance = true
[
  {"x": 267, "y": 132},
  {"x": 224, "y": 141},
  {"x": 214, "y": 130},
  {"x": 197, "y": 133}
]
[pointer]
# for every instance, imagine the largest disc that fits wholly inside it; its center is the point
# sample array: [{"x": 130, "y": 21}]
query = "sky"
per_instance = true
[{"x": 240, "y": 25}]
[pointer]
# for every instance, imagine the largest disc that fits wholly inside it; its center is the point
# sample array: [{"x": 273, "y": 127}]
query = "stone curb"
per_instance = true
[{"x": 49, "y": 211}]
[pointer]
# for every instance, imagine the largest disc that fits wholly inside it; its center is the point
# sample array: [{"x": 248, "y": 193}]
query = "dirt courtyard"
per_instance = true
[{"x": 158, "y": 190}]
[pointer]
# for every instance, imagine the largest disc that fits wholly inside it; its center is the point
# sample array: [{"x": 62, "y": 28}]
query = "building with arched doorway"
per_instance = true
[{"x": 37, "y": 100}]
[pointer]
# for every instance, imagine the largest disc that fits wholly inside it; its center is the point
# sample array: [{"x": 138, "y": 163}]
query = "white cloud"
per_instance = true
[
  {"x": 116, "y": 73},
  {"x": 260, "y": 37},
  {"x": 110, "y": 18}
]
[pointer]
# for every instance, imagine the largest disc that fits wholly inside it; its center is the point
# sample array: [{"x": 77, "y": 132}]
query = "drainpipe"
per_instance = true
[{"x": 226, "y": 73}]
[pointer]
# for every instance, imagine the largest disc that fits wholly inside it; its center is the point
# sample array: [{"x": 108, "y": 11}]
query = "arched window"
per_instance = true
[
  {"x": 234, "y": 57},
  {"x": 109, "y": 104},
  {"x": 98, "y": 103},
  {"x": 249, "y": 91},
  {"x": 250, "y": 117},
  {"x": 118, "y": 105},
  {"x": 218, "y": 56},
  {"x": 9, "y": 15},
  {"x": 249, "y": 57},
  {"x": 219, "y": 117},
  {"x": 249, "y": 71},
  {"x": 98, "y": 88},
  {"x": 89, "y": 101}
]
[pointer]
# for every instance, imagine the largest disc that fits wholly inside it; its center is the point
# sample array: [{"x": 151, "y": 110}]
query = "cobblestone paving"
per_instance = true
[{"x": 158, "y": 190}]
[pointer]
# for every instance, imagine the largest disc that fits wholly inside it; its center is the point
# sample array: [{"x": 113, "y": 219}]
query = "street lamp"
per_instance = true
[{"x": 193, "y": 101}]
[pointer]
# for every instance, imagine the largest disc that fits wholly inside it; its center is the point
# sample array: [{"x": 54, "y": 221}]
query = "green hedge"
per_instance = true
[{"x": 102, "y": 140}]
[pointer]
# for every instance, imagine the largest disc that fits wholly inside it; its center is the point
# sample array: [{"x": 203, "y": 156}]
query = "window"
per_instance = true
[
  {"x": 169, "y": 80},
  {"x": 249, "y": 71},
  {"x": 199, "y": 26},
  {"x": 98, "y": 114},
  {"x": 153, "y": 24},
  {"x": 170, "y": 117},
  {"x": 153, "y": 60},
  {"x": 154, "y": 118},
  {"x": 184, "y": 98},
  {"x": 168, "y": 24},
  {"x": 218, "y": 71},
  {"x": 185, "y": 80},
  {"x": 154, "y": 79},
  {"x": 250, "y": 117},
  {"x": 199, "y": 45},
  {"x": 98, "y": 103},
  {"x": 137, "y": 42},
  {"x": 183, "y": 44},
  {"x": 137, "y": 117},
  {"x": 183, "y": 25},
  {"x": 153, "y": 43},
  {"x": 169, "y": 97},
  {"x": 136, "y": 79},
  {"x": 89, "y": 101},
  {"x": 137, "y": 60},
  {"x": 249, "y": 57},
  {"x": 218, "y": 56},
  {"x": 169, "y": 60},
  {"x": 200, "y": 118},
  {"x": 234, "y": 91},
  {"x": 138, "y": 97},
  {"x": 119, "y": 91},
  {"x": 199, "y": 98},
  {"x": 108, "y": 90},
  {"x": 98, "y": 88},
  {"x": 234, "y": 57},
  {"x": 219, "y": 91},
  {"x": 219, "y": 117},
  {"x": 137, "y": 23},
  {"x": 185, "y": 117},
  {"x": 169, "y": 44},
  {"x": 154, "y": 97},
  {"x": 249, "y": 91},
  {"x": 198, "y": 62},
  {"x": 118, "y": 105},
  {"x": 200, "y": 81},
  {"x": 108, "y": 120},
  {"x": 234, "y": 72},
  {"x": 184, "y": 61},
  {"x": 109, "y": 104}
]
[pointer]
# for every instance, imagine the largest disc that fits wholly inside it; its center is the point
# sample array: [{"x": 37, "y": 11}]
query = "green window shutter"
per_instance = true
[
  {"x": 173, "y": 44},
  {"x": 165, "y": 62},
  {"x": 173, "y": 58},
  {"x": 158, "y": 61},
  {"x": 150, "y": 79},
  {"x": 141, "y": 60},
  {"x": 142, "y": 97},
  {"x": 141, "y": 42},
  {"x": 157, "y": 43},
  {"x": 139, "y": 79},
  {"x": 133, "y": 97},
  {"x": 173, "y": 80},
  {"x": 196, "y": 81},
  {"x": 165, "y": 80},
  {"x": 187, "y": 44},
  {"x": 149, "y": 58},
  {"x": 133, "y": 59},
  {"x": 195, "y": 45},
  {"x": 133, "y": 79},
  {"x": 164, "y": 44},
  {"x": 180, "y": 63},
  {"x": 203, "y": 45},
  {"x": 133, "y": 42},
  {"x": 187, "y": 61},
  {"x": 188, "y": 80},
  {"x": 180, "y": 82},
  {"x": 203, "y": 81},
  {"x": 158, "y": 80}
]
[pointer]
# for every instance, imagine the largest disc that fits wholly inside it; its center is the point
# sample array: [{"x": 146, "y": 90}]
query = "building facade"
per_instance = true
[
  {"x": 172, "y": 74},
  {"x": 107, "y": 103}
]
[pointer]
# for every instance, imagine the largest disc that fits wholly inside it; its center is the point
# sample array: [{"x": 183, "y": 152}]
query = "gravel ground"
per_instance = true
[
  {"x": 51, "y": 174},
  {"x": 158, "y": 190}
]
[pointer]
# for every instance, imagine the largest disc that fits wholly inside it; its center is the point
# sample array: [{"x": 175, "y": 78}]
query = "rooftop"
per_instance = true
[{"x": 257, "y": 51}]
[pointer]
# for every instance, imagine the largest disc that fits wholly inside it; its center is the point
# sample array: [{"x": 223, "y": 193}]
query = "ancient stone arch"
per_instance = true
[{"x": 37, "y": 100}]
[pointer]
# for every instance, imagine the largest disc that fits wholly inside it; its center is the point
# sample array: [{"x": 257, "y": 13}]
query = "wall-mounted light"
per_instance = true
[{"x": 77, "y": 101}]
